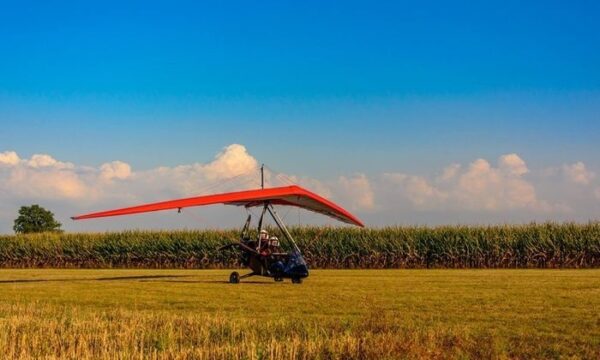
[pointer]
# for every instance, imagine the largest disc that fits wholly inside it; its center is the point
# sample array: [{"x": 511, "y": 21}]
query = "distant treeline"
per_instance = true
[{"x": 547, "y": 245}]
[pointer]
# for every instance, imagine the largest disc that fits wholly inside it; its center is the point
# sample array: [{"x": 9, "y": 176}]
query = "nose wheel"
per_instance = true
[{"x": 234, "y": 278}]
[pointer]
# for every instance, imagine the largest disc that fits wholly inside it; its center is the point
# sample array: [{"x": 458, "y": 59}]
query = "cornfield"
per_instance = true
[{"x": 548, "y": 245}]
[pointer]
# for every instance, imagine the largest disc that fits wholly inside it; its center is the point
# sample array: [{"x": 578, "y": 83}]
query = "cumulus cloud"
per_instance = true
[
  {"x": 506, "y": 186},
  {"x": 513, "y": 164},
  {"x": 578, "y": 173},
  {"x": 234, "y": 160},
  {"x": 115, "y": 170},
  {"x": 419, "y": 191},
  {"x": 75, "y": 188},
  {"x": 9, "y": 158},
  {"x": 449, "y": 172},
  {"x": 483, "y": 186},
  {"x": 314, "y": 185},
  {"x": 357, "y": 190},
  {"x": 480, "y": 186},
  {"x": 43, "y": 177},
  {"x": 52, "y": 184},
  {"x": 40, "y": 177},
  {"x": 47, "y": 161}
]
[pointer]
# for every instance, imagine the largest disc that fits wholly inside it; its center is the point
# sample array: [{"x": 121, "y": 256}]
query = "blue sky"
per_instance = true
[{"x": 314, "y": 89}]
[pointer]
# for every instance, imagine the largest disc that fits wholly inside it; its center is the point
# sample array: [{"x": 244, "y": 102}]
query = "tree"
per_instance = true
[{"x": 34, "y": 219}]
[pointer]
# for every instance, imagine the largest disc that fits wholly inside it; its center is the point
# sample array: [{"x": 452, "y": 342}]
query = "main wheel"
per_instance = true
[
  {"x": 234, "y": 278},
  {"x": 296, "y": 280},
  {"x": 278, "y": 278}
]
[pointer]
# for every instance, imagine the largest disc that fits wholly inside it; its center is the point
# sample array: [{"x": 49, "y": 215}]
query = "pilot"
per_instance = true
[
  {"x": 264, "y": 235},
  {"x": 264, "y": 243}
]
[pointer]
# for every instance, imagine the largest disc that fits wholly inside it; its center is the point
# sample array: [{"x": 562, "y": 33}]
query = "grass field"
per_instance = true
[{"x": 334, "y": 314}]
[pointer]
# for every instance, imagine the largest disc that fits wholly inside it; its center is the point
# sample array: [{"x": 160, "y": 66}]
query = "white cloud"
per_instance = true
[
  {"x": 47, "y": 183},
  {"x": 44, "y": 177},
  {"x": 578, "y": 173},
  {"x": 485, "y": 187},
  {"x": 47, "y": 161},
  {"x": 480, "y": 186},
  {"x": 9, "y": 158},
  {"x": 76, "y": 188},
  {"x": 41, "y": 176},
  {"x": 234, "y": 160},
  {"x": 513, "y": 164},
  {"x": 232, "y": 168},
  {"x": 449, "y": 172},
  {"x": 311, "y": 184},
  {"x": 476, "y": 190},
  {"x": 357, "y": 192},
  {"x": 115, "y": 170},
  {"x": 417, "y": 189}
]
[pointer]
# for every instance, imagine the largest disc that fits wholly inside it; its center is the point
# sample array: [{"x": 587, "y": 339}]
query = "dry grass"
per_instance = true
[{"x": 186, "y": 314}]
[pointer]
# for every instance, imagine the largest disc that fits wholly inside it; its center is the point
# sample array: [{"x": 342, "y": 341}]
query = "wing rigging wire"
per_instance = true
[
  {"x": 222, "y": 184},
  {"x": 281, "y": 176},
  {"x": 288, "y": 181}
]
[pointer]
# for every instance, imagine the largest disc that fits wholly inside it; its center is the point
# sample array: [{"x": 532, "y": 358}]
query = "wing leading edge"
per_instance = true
[{"x": 288, "y": 195}]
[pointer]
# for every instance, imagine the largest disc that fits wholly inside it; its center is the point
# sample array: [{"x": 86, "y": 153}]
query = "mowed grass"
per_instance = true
[{"x": 49, "y": 313}]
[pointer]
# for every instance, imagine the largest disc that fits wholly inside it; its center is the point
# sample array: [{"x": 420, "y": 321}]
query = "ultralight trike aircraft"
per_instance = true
[{"x": 263, "y": 254}]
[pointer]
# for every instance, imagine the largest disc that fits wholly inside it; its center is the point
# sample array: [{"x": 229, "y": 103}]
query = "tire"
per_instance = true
[
  {"x": 296, "y": 280},
  {"x": 234, "y": 278},
  {"x": 278, "y": 278}
]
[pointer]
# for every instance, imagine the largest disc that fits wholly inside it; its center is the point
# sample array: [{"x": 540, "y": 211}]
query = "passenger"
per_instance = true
[{"x": 274, "y": 244}]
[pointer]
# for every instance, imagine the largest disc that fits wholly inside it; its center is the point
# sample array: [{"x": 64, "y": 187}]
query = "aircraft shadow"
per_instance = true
[
  {"x": 211, "y": 282},
  {"x": 140, "y": 278},
  {"x": 112, "y": 278}
]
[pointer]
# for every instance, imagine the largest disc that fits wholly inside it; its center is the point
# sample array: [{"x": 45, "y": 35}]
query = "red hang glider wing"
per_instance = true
[{"x": 288, "y": 195}]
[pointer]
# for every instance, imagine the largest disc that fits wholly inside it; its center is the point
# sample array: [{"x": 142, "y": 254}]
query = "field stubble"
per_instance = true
[{"x": 335, "y": 314}]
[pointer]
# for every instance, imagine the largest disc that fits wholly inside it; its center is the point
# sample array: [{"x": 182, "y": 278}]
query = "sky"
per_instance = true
[{"x": 404, "y": 113}]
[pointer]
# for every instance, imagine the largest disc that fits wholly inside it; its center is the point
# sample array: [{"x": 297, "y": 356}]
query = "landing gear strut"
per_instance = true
[{"x": 235, "y": 278}]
